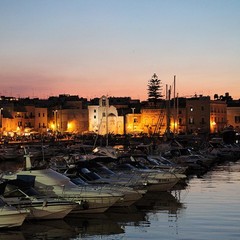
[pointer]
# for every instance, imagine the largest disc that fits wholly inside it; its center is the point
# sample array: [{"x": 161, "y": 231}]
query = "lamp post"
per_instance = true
[
  {"x": 55, "y": 119},
  {"x": 133, "y": 110}
]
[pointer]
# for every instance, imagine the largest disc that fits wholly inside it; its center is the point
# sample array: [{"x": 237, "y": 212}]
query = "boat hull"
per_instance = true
[
  {"x": 50, "y": 211},
  {"x": 13, "y": 218}
]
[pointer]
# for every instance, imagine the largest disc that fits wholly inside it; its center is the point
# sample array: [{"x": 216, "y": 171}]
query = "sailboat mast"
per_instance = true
[{"x": 174, "y": 104}]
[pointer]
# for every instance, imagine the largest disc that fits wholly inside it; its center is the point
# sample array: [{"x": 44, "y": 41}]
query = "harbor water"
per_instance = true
[{"x": 208, "y": 208}]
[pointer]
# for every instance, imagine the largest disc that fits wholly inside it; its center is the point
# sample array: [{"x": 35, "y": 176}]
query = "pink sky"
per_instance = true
[{"x": 93, "y": 48}]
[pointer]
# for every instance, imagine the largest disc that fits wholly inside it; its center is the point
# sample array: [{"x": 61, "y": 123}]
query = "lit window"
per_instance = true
[
  {"x": 191, "y": 120},
  {"x": 191, "y": 109}
]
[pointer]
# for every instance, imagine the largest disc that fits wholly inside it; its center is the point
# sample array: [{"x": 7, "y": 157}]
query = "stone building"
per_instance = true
[
  {"x": 233, "y": 115},
  {"x": 104, "y": 119}
]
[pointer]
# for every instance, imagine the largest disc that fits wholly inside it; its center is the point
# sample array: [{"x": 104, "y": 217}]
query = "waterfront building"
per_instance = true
[
  {"x": 233, "y": 114},
  {"x": 41, "y": 119},
  {"x": 66, "y": 113},
  {"x": 104, "y": 119}
]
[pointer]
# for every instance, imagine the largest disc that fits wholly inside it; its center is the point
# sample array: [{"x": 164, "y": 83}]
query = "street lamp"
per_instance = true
[
  {"x": 133, "y": 110},
  {"x": 55, "y": 119}
]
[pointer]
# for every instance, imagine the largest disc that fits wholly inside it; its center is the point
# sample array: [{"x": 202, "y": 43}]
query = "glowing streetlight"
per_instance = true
[{"x": 55, "y": 116}]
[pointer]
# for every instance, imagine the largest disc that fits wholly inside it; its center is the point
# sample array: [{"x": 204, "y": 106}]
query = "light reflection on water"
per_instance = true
[{"x": 208, "y": 208}]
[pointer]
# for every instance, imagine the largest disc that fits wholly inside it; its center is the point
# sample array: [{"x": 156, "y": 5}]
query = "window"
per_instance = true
[
  {"x": 94, "y": 110},
  {"x": 191, "y": 109},
  {"x": 202, "y": 108},
  {"x": 191, "y": 120},
  {"x": 135, "y": 120},
  {"x": 94, "y": 116},
  {"x": 104, "y": 102},
  {"x": 180, "y": 121},
  {"x": 104, "y": 114},
  {"x": 203, "y": 121},
  {"x": 237, "y": 119},
  {"x": 39, "y": 114},
  {"x": 43, "y": 114}
]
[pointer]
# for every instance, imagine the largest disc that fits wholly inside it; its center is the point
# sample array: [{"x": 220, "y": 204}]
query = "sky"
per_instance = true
[{"x": 92, "y": 48}]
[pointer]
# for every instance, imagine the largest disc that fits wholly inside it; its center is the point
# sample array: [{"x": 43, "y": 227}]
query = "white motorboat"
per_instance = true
[
  {"x": 51, "y": 183},
  {"x": 10, "y": 216},
  {"x": 84, "y": 176},
  {"x": 20, "y": 195},
  {"x": 156, "y": 180}
]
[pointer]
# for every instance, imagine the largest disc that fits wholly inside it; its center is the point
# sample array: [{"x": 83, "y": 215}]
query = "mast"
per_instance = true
[
  {"x": 174, "y": 104},
  {"x": 168, "y": 96}
]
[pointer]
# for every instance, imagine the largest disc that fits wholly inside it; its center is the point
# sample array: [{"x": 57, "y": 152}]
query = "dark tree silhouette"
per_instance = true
[{"x": 154, "y": 89}]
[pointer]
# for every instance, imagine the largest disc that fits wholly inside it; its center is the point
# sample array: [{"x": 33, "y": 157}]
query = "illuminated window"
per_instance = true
[
  {"x": 191, "y": 109},
  {"x": 191, "y": 120}
]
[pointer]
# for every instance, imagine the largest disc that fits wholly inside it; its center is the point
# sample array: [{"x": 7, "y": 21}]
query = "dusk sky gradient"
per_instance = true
[{"x": 92, "y": 48}]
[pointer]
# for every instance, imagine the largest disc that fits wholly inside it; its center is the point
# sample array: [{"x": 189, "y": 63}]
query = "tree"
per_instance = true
[{"x": 154, "y": 89}]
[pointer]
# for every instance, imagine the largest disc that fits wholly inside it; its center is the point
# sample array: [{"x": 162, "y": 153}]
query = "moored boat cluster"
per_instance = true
[{"x": 80, "y": 179}]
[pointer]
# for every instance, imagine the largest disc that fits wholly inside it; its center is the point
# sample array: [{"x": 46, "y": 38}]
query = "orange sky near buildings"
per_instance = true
[{"x": 94, "y": 48}]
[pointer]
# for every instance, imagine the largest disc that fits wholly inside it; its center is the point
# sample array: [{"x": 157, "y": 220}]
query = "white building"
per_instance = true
[{"x": 104, "y": 119}]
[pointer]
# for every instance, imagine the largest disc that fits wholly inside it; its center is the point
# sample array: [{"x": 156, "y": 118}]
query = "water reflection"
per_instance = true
[
  {"x": 161, "y": 201},
  {"x": 112, "y": 222},
  {"x": 196, "y": 210}
]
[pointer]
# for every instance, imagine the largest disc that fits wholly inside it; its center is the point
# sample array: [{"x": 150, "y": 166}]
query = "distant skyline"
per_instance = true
[{"x": 92, "y": 48}]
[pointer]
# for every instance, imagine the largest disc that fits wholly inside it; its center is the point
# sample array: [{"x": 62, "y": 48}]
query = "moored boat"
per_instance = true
[
  {"x": 10, "y": 216},
  {"x": 90, "y": 199}
]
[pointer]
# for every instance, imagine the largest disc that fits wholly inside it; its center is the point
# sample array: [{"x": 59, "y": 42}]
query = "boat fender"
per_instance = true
[{"x": 45, "y": 203}]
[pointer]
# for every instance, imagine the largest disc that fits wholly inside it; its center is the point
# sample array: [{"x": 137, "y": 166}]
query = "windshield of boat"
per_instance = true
[
  {"x": 89, "y": 175},
  {"x": 78, "y": 181},
  {"x": 102, "y": 170}
]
